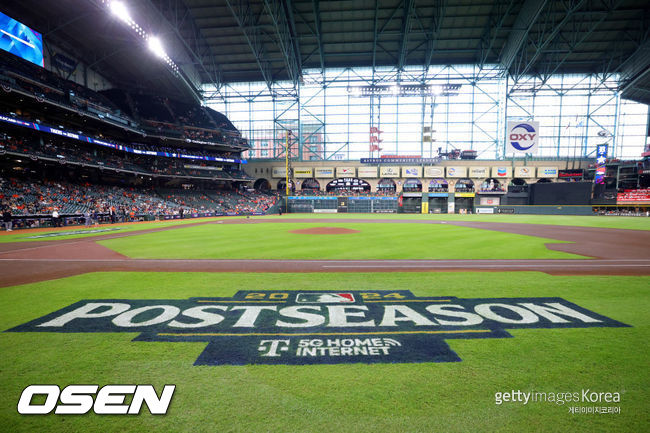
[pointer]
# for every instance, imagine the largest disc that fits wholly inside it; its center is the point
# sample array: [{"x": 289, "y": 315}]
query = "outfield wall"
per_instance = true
[
  {"x": 537, "y": 209},
  {"x": 318, "y": 204}
]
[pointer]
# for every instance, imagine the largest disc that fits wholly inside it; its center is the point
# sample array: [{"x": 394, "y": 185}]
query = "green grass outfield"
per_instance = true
[
  {"x": 331, "y": 398},
  {"x": 381, "y": 241},
  {"x": 614, "y": 222},
  {"x": 611, "y": 222}
]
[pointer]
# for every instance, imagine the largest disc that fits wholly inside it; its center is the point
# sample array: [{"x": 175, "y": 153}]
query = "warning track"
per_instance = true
[{"x": 611, "y": 252}]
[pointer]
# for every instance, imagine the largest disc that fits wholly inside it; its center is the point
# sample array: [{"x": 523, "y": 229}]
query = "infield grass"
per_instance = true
[
  {"x": 374, "y": 241},
  {"x": 450, "y": 397}
]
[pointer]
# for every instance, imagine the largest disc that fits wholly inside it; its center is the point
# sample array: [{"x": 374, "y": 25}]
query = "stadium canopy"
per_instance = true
[{"x": 225, "y": 41}]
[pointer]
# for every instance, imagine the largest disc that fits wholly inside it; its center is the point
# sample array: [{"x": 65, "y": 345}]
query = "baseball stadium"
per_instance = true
[{"x": 324, "y": 216}]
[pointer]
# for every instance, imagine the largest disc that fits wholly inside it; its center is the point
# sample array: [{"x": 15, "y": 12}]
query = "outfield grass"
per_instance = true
[
  {"x": 374, "y": 241},
  {"x": 350, "y": 397},
  {"x": 612, "y": 222}
]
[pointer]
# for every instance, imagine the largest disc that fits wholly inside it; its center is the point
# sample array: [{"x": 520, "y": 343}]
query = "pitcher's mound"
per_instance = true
[{"x": 324, "y": 231}]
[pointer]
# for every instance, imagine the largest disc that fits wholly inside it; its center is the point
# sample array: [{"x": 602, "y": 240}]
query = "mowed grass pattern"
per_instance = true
[
  {"x": 615, "y": 222},
  {"x": 449, "y": 397},
  {"x": 599, "y": 221},
  {"x": 374, "y": 241}
]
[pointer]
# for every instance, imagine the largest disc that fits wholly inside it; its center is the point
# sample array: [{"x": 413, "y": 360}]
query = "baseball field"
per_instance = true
[{"x": 479, "y": 310}]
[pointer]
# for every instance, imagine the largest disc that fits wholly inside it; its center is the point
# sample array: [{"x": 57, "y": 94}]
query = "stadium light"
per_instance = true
[
  {"x": 120, "y": 11},
  {"x": 156, "y": 47}
]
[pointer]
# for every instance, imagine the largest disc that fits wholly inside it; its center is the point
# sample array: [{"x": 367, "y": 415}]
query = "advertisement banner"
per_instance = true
[
  {"x": 346, "y": 172},
  {"x": 637, "y": 196},
  {"x": 348, "y": 184},
  {"x": 100, "y": 142},
  {"x": 525, "y": 172},
  {"x": 387, "y": 159},
  {"x": 411, "y": 171},
  {"x": 64, "y": 63},
  {"x": 370, "y": 172},
  {"x": 302, "y": 172},
  {"x": 279, "y": 172},
  {"x": 601, "y": 161},
  {"x": 577, "y": 173},
  {"x": 502, "y": 172},
  {"x": 489, "y": 201},
  {"x": 324, "y": 172},
  {"x": 202, "y": 167},
  {"x": 547, "y": 172},
  {"x": 434, "y": 172},
  {"x": 456, "y": 171},
  {"x": 389, "y": 172},
  {"x": 479, "y": 172},
  {"x": 342, "y": 326},
  {"x": 522, "y": 137},
  {"x": 464, "y": 194}
]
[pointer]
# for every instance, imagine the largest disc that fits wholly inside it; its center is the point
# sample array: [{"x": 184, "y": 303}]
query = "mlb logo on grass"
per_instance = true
[{"x": 324, "y": 298}]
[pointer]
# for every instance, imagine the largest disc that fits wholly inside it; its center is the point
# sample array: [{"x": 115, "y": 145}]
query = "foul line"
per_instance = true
[{"x": 261, "y": 334}]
